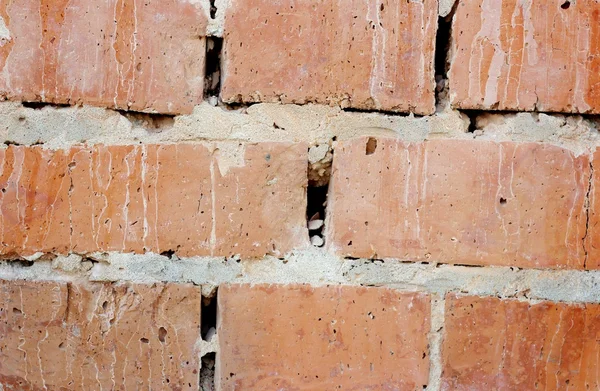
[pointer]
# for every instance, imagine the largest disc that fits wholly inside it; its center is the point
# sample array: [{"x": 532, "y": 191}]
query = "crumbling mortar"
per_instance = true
[
  {"x": 316, "y": 266},
  {"x": 313, "y": 124}
]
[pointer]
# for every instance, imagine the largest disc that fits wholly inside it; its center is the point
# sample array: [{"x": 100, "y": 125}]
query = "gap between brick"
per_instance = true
[
  {"x": 442, "y": 54},
  {"x": 320, "y": 161},
  {"x": 587, "y": 214},
  {"x": 208, "y": 347},
  {"x": 212, "y": 73}
]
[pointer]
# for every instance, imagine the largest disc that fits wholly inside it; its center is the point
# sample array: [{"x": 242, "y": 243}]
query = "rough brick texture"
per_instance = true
[
  {"x": 493, "y": 344},
  {"x": 459, "y": 201},
  {"x": 526, "y": 55},
  {"x": 192, "y": 199},
  {"x": 77, "y": 337},
  {"x": 361, "y": 54},
  {"x": 298, "y": 337},
  {"x": 127, "y": 54}
]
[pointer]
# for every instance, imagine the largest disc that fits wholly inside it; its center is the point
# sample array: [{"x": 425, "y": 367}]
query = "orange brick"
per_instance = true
[
  {"x": 59, "y": 336},
  {"x": 459, "y": 201},
  {"x": 260, "y": 206},
  {"x": 154, "y": 198},
  {"x": 493, "y": 344},
  {"x": 325, "y": 338},
  {"x": 515, "y": 55},
  {"x": 125, "y": 54},
  {"x": 367, "y": 55}
]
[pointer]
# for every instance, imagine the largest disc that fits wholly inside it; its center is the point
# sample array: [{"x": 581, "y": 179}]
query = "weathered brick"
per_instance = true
[
  {"x": 367, "y": 55},
  {"x": 127, "y": 54},
  {"x": 325, "y": 338},
  {"x": 153, "y": 198},
  {"x": 260, "y": 202},
  {"x": 493, "y": 344},
  {"x": 459, "y": 201},
  {"x": 68, "y": 336},
  {"x": 515, "y": 55}
]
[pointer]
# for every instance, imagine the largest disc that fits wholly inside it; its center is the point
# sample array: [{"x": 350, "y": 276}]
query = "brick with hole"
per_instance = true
[
  {"x": 526, "y": 55},
  {"x": 360, "y": 54},
  {"x": 494, "y": 344},
  {"x": 322, "y": 338},
  {"x": 459, "y": 201},
  {"x": 125, "y": 54},
  {"x": 187, "y": 199},
  {"x": 63, "y": 336}
]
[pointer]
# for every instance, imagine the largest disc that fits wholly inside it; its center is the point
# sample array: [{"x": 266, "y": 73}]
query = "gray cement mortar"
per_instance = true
[
  {"x": 60, "y": 128},
  {"x": 316, "y": 266}
]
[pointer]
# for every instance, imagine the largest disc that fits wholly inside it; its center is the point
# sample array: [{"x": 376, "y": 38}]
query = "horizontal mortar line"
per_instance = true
[
  {"x": 256, "y": 123},
  {"x": 317, "y": 267}
]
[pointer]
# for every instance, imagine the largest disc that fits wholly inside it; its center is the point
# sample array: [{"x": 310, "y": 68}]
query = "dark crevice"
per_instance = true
[
  {"x": 472, "y": 115},
  {"x": 315, "y": 213},
  {"x": 209, "y": 316},
  {"x": 443, "y": 41},
  {"x": 385, "y": 112},
  {"x": 41, "y": 105},
  {"x": 208, "y": 330},
  {"x": 152, "y": 122},
  {"x": 213, "y": 9},
  {"x": 465, "y": 265},
  {"x": 587, "y": 215},
  {"x": 442, "y": 45},
  {"x": 16, "y": 144},
  {"x": 169, "y": 254},
  {"x": 319, "y": 174},
  {"x": 207, "y": 372},
  {"x": 212, "y": 82}
]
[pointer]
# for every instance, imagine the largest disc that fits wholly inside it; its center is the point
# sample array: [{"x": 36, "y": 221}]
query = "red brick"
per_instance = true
[
  {"x": 153, "y": 198},
  {"x": 493, "y": 344},
  {"x": 260, "y": 206},
  {"x": 515, "y": 55},
  {"x": 367, "y": 55},
  {"x": 62, "y": 336},
  {"x": 459, "y": 201},
  {"x": 127, "y": 54},
  {"x": 325, "y": 338}
]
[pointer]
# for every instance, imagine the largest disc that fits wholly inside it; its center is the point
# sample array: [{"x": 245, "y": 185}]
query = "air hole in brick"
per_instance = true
[
  {"x": 162, "y": 334},
  {"x": 565, "y": 5},
  {"x": 152, "y": 122},
  {"x": 502, "y": 200},
  {"x": 371, "y": 146},
  {"x": 212, "y": 82}
]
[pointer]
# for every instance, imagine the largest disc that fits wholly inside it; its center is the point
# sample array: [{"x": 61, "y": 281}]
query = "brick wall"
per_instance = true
[{"x": 300, "y": 195}]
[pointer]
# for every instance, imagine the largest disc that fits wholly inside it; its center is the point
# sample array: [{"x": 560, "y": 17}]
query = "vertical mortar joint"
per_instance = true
[
  {"x": 320, "y": 159},
  {"x": 212, "y": 75},
  {"x": 586, "y": 205}
]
